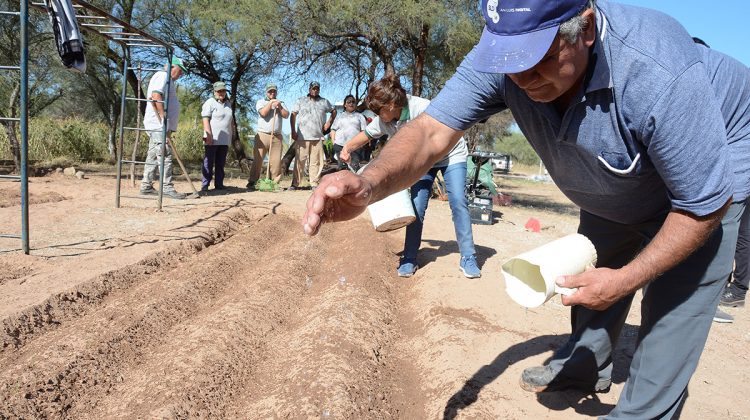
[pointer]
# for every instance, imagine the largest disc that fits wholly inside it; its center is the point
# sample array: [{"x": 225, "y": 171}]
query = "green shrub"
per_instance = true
[
  {"x": 70, "y": 138},
  {"x": 74, "y": 140},
  {"x": 518, "y": 148}
]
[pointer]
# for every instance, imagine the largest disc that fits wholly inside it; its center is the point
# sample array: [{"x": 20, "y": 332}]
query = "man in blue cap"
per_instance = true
[{"x": 620, "y": 104}]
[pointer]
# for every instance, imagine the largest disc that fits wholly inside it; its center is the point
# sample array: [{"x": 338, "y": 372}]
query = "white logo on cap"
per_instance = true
[{"x": 492, "y": 11}]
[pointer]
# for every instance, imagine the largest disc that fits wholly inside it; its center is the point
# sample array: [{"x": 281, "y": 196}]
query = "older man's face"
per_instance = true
[
  {"x": 314, "y": 91},
  {"x": 561, "y": 71},
  {"x": 176, "y": 72}
]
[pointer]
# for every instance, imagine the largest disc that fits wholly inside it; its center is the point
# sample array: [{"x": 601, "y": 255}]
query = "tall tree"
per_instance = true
[{"x": 235, "y": 41}]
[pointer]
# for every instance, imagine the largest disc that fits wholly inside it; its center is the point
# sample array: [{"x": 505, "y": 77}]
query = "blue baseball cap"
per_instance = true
[{"x": 518, "y": 33}]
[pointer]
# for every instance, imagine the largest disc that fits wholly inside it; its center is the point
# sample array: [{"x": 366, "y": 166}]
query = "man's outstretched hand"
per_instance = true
[{"x": 340, "y": 196}]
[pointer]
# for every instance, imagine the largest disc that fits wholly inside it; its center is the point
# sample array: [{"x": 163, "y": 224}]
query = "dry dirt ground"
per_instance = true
[{"x": 220, "y": 307}]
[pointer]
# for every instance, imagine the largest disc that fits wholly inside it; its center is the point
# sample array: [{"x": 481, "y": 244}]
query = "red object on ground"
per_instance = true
[{"x": 533, "y": 225}]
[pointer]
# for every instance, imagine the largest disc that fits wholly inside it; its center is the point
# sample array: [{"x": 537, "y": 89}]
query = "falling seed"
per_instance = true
[
  {"x": 326, "y": 414},
  {"x": 308, "y": 282},
  {"x": 342, "y": 281}
]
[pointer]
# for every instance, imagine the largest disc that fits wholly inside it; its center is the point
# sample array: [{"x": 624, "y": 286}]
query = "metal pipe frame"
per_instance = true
[
  {"x": 24, "y": 111},
  {"x": 123, "y": 95}
]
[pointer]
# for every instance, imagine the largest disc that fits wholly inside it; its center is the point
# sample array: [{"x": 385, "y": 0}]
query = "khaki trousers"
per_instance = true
[
  {"x": 312, "y": 149},
  {"x": 262, "y": 143}
]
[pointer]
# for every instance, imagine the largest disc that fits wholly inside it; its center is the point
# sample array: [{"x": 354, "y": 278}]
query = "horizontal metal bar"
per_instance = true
[
  {"x": 10, "y": 13},
  {"x": 6, "y": 235},
  {"x": 141, "y": 129},
  {"x": 134, "y": 161},
  {"x": 118, "y": 38},
  {"x": 98, "y": 25},
  {"x": 120, "y": 33},
  {"x": 91, "y": 17},
  {"x": 14, "y": 177},
  {"x": 9, "y": 119},
  {"x": 10, "y": 68},
  {"x": 142, "y": 99},
  {"x": 141, "y": 197},
  {"x": 142, "y": 69},
  {"x": 95, "y": 9},
  {"x": 144, "y": 45},
  {"x": 39, "y": 4}
]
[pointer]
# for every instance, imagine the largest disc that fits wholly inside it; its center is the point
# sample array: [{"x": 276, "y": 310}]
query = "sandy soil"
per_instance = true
[{"x": 219, "y": 307}]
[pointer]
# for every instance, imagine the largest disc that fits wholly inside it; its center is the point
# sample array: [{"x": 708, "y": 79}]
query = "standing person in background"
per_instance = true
[
  {"x": 153, "y": 122},
  {"x": 271, "y": 112},
  {"x": 218, "y": 127},
  {"x": 733, "y": 295},
  {"x": 345, "y": 127},
  {"x": 308, "y": 123},
  {"x": 394, "y": 108}
]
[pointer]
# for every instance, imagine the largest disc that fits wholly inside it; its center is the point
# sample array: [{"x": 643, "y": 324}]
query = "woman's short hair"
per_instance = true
[{"x": 386, "y": 91}]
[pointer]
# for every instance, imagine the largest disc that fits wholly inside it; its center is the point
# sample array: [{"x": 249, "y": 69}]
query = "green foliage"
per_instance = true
[
  {"x": 76, "y": 140},
  {"x": 518, "y": 148}
]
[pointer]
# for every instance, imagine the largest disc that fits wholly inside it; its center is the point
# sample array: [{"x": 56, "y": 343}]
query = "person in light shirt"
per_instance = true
[{"x": 153, "y": 122}]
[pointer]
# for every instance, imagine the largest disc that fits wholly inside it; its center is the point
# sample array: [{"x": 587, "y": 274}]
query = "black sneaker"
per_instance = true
[
  {"x": 544, "y": 379},
  {"x": 250, "y": 186},
  {"x": 219, "y": 187},
  {"x": 148, "y": 191},
  {"x": 204, "y": 188},
  {"x": 292, "y": 188},
  {"x": 731, "y": 298}
]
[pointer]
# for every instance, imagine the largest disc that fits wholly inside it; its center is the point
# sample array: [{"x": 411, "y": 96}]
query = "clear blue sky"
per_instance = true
[{"x": 722, "y": 24}]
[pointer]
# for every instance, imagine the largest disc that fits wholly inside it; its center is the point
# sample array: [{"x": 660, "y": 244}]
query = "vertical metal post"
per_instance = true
[
  {"x": 165, "y": 121},
  {"x": 24, "y": 125},
  {"x": 123, "y": 94}
]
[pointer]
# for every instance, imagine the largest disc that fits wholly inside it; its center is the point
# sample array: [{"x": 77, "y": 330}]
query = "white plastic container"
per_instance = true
[
  {"x": 392, "y": 212},
  {"x": 530, "y": 277}
]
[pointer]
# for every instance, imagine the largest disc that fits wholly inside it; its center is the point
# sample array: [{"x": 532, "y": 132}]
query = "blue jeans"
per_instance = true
[{"x": 455, "y": 183}]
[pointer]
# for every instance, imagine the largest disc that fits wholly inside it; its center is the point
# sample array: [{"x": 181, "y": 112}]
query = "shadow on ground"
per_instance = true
[{"x": 583, "y": 403}]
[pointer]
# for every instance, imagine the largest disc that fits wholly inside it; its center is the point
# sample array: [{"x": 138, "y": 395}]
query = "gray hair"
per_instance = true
[{"x": 572, "y": 28}]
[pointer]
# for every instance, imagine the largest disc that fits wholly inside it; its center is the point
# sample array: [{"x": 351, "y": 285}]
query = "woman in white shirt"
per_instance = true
[
  {"x": 218, "y": 127},
  {"x": 345, "y": 127}
]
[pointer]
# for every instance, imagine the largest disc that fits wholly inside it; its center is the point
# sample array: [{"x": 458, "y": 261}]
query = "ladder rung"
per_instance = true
[
  {"x": 143, "y": 45},
  {"x": 10, "y": 67},
  {"x": 142, "y": 99},
  {"x": 99, "y": 25},
  {"x": 10, "y": 13},
  {"x": 120, "y": 33},
  {"x": 9, "y": 119},
  {"x": 141, "y": 129},
  {"x": 15, "y": 177},
  {"x": 90, "y": 17},
  {"x": 134, "y": 161},
  {"x": 142, "y": 69},
  {"x": 7, "y": 235}
]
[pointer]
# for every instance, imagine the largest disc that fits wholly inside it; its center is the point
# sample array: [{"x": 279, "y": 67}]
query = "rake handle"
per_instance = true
[{"x": 270, "y": 144}]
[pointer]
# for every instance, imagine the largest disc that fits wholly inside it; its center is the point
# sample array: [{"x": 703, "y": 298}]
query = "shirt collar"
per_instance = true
[
  {"x": 404, "y": 113},
  {"x": 600, "y": 76}
]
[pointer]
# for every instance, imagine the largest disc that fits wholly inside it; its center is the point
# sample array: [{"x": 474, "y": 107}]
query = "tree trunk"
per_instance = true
[
  {"x": 112, "y": 133},
  {"x": 15, "y": 148},
  {"x": 239, "y": 151},
  {"x": 419, "y": 57}
]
